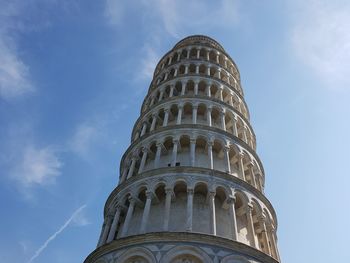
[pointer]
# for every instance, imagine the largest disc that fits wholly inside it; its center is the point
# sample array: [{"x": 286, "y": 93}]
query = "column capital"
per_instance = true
[
  {"x": 190, "y": 191},
  {"x": 149, "y": 194},
  {"x": 212, "y": 194},
  {"x": 231, "y": 199}
]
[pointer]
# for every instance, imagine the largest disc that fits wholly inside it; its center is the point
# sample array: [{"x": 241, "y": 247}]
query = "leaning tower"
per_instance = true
[{"x": 191, "y": 186}]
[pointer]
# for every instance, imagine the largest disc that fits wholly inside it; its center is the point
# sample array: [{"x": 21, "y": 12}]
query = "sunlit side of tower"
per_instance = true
[{"x": 191, "y": 186}]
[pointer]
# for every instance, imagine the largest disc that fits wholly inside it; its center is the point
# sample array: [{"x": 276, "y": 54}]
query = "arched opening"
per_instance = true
[
  {"x": 218, "y": 156},
  {"x": 157, "y": 210},
  {"x": 202, "y": 69},
  {"x": 201, "y": 209},
  {"x": 190, "y": 88},
  {"x": 165, "y": 160},
  {"x": 182, "y": 70},
  {"x": 193, "y": 53},
  {"x": 202, "y": 88},
  {"x": 178, "y": 208},
  {"x": 202, "y": 114},
  {"x": 187, "y": 114},
  {"x": 222, "y": 214},
  {"x": 192, "y": 69},
  {"x": 215, "y": 117},
  {"x": 150, "y": 156},
  {"x": 241, "y": 219},
  {"x": 177, "y": 89},
  {"x": 183, "y": 156},
  {"x": 173, "y": 114}
]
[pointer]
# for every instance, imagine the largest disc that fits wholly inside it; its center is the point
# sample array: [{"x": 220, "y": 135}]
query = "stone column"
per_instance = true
[
  {"x": 169, "y": 194},
  {"x": 166, "y": 76},
  {"x": 128, "y": 216},
  {"x": 197, "y": 69},
  {"x": 274, "y": 250},
  {"x": 227, "y": 158},
  {"x": 207, "y": 55},
  {"x": 241, "y": 165},
  {"x": 220, "y": 93},
  {"x": 178, "y": 55},
  {"x": 217, "y": 58},
  {"x": 166, "y": 117},
  {"x": 198, "y": 53},
  {"x": 267, "y": 248},
  {"x": 219, "y": 74},
  {"x": 232, "y": 210},
  {"x": 143, "y": 159},
  {"x": 208, "y": 71},
  {"x": 170, "y": 60},
  {"x": 234, "y": 126},
  {"x": 175, "y": 72},
  {"x": 111, "y": 234},
  {"x": 161, "y": 95},
  {"x": 209, "y": 116},
  {"x": 132, "y": 167},
  {"x": 154, "y": 120},
  {"x": 183, "y": 87},
  {"x": 212, "y": 221},
  {"x": 222, "y": 119},
  {"x": 146, "y": 210},
  {"x": 171, "y": 94},
  {"x": 231, "y": 100},
  {"x": 157, "y": 158},
  {"x": 194, "y": 114},
  {"x": 210, "y": 155},
  {"x": 188, "y": 53},
  {"x": 196, "y": 87},
  {"x": 193, "y": 151},
  {"x": 190, "y": 193},
  {"x": 186, "y": 69},
  {"x": 152, "y": 101},
  {"x": 143, "y": 131},
  {"x": 251, "y": 169},
  {"x": 106, "y": 228},
  {"x": 179, "y": 115},
  {"x": 123, "y": 177},
  {"x": 225, "y": 62},
  {"x": 245, "y": 139},
  {"x": 174, "y": 155},
  {"x": 208, "y": 90},
  {"x": 250, "y": 226}
]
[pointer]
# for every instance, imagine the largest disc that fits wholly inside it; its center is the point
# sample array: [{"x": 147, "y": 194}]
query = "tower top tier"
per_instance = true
[{"x": 198, "y": 39}]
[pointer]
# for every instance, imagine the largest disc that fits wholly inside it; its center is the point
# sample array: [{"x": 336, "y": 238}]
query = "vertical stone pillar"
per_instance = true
[
  {"x": 193, "y": 151},
  {"x": 183, "y": 87},
  {"x": 171, "y": 94},
  {"x": 169, "y": 194},
  {"x": 208, "y": 70},
  {"x": 111, "y": 234},
  {"x": 166, "y": 117},
  {"x": 212, "y": 218},
  {"x": 227, "y": 159},
  {"x": 251, "y": 170},
  {"x": 179, "y": 55},
  {"x": 179, "y": 115},
  {"x": 157, "y": 158},
  {"x": 176, "y": 72},
  {"x": 217, "y": 58},
  {"x": 222, "y": 120},
  {"x": 154, "y": 121},
  {"x": 210, "y": 155},
  {"x": 146, "y": 210},
  {"x": 271, "y": 234},
  {"x": 132, "y": 167},
  {"x": 250, "y": 226},
  {"x": 209, "y": 116},
  {"x": 234, "y": 126},
  {"x": 267, "y": 248},
  {"x": 143, "y": 131},
  {"x": 161, "y": 95},
  {"x": 143, "y": 159},
  {"x": 128, "y": 216},
  {"x": 207, "y": 55},
  {"x": 232, "y": 211},
  {"x": 208, "y": 90},
  {"x": 188, "y": 53},
  {"x": 241, "y": 165},
  {"x": 220, "y": 93},
  {"x": 124, "y": 174},
  {"x": 190, "y": 193},
  {"x": 186, "y": 69},
  {"x": 197, "y": 69},
  {"x": 196, "y": 87},
  {"x": 198, "y": 53},
  {"x": 194, "y": 114},
  {"x": 174, "y": 155}
]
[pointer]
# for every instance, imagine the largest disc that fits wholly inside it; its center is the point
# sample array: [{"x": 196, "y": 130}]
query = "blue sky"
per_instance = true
[{"x": 73, "y": 75}]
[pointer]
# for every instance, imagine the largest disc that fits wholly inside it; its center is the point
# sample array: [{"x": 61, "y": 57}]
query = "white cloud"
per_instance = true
[
  {"x": 36, "y": 167},
  {"x": 14, "y": 73},
  {"x": 59, "y": 231},
  {"x": 83, "y": 138},
  {"x": 321, "y": 39}
]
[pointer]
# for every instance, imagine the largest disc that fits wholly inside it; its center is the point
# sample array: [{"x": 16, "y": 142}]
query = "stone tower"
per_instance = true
[{"x": 191, "y": 186}]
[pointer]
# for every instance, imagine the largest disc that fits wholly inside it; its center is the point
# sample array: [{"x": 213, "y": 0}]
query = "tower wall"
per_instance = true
[{"x": 191, "y": 186}]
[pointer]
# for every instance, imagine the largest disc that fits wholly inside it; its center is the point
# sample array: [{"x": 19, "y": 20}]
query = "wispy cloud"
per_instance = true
[
  {"x": 83, "y": 138},
  {"x": 59, "y": 231},
  {"x": 15, "y": 77},
  {"x": 36, "y": 166},
  {"x": 321, "y": 39},
  {"x": 114, "y": 11}
]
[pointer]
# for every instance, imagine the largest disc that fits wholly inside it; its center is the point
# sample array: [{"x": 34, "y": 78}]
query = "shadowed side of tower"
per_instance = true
[{"x": 191, "y": 186}]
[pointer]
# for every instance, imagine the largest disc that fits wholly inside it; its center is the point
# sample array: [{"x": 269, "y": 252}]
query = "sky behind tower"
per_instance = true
[{"x": 73, "y": 75}]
